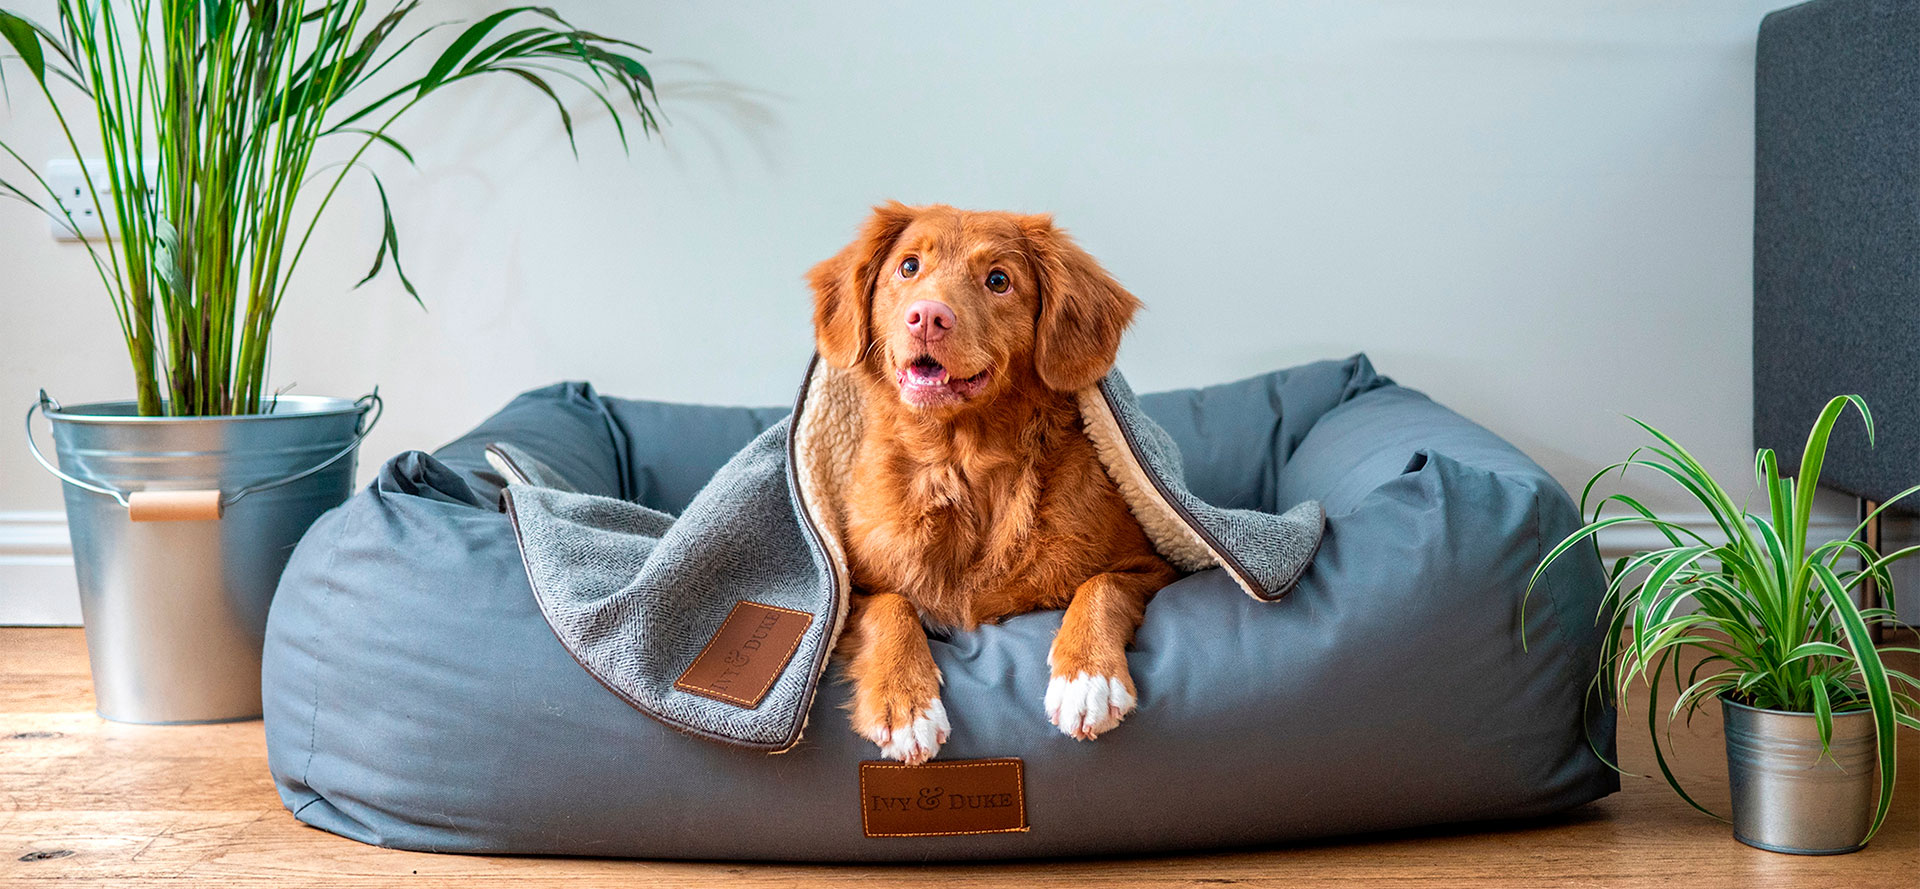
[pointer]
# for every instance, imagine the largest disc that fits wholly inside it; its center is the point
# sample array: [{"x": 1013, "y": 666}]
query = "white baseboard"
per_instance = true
[
  {"x": 36, "y": 571},
  {"x": 37, "y": 586}
]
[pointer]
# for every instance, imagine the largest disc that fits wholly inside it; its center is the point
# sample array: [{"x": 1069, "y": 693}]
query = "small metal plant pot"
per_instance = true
[
  {"x": 1787, "y": 795},
  {"x": 180, "y": 527}
]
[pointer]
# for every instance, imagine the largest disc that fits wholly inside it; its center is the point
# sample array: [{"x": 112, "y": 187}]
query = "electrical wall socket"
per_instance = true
[{"x": 69, "y": 186}]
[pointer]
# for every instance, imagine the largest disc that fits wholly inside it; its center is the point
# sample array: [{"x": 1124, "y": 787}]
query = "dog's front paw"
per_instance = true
[
  {"x": 1085, "y": 704},
  {"x": 909, "y": 734}
]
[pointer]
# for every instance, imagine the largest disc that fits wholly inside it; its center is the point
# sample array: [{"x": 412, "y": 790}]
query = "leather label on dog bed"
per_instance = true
[
  {"x": 741, "y": 661},
  {"x": 942, "y": 799}
]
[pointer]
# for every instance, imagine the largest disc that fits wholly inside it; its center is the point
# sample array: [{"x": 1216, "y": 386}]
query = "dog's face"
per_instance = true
[{"x": 953, "y": 307}]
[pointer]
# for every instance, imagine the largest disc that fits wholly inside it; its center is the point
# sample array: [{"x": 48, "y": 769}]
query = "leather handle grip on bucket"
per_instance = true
[
  {"x": 189, "y": 506},
  {"x": 173, "y": 506}
]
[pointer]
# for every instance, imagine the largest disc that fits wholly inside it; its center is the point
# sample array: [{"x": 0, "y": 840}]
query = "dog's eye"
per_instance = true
[
  {"x": 998, "y": 282},
  {"x": 909, "y": 266}
]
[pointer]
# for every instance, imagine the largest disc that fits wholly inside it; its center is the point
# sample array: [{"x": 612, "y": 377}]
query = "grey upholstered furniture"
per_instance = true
[{"x": 1836, "y": 239}]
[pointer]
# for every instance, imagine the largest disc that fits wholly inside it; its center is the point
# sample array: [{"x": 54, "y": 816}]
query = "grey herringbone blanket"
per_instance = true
[{"x": 636, "y": 595}]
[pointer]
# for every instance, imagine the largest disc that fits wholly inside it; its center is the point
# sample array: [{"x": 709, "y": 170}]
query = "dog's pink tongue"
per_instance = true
[{"x": 922, "y": 375}]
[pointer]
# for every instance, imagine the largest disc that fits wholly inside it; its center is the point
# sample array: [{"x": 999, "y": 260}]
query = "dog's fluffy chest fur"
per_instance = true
[{"x": 974, "y": 523}]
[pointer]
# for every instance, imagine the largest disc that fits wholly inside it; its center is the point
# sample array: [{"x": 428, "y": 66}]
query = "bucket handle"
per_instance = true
[{"x": 180, "y": 505}]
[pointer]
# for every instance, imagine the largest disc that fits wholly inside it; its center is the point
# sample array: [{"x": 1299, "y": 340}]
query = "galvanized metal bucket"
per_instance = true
[
  {"x": 181, "y": 527},
  {"x": 1790, "y": 797}
]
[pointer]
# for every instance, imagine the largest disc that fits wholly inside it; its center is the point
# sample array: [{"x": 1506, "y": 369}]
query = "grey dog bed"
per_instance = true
[{"x": 416, "y": 698}]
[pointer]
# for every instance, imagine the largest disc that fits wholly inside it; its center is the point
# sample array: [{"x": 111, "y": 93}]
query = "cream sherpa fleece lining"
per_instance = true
[{"x": 827, "y": 440}]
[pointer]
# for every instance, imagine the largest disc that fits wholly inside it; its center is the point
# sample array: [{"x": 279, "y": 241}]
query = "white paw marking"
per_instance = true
[
  {"x": 1086, "y": 705},
  {"x": 916, "y": 743}
]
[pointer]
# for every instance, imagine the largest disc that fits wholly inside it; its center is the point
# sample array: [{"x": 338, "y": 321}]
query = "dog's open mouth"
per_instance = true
[{"x": 924, "y": 382}]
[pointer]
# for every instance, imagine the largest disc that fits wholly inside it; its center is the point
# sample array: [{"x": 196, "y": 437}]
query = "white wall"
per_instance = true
[{"x": 1539, "y": 213}]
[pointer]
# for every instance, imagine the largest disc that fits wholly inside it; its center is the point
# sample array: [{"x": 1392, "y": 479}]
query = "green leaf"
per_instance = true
[
  {"x": 1897, "y": 676},
  {"x": 1702, "y": 490},
  {"x": 25, "y": 40},
  {"x": 389, "y": 241},
  {"x": 219, "y": 16},
  {"x": 566, "y": 119},
  {"x": 52, "y": 40},
  {"x": 1814, "y": 649},
  {"x": 1688, "y": 472},
  {"x": 1717, "y": 683},
  {"x": 1583, "y": 533},
  {"x": 613, "y": 114},
  {"x": 1659, "y": 757},
  {"x": 168, "y": 262},
  {"x": 512, "y": 44},
  {"x": 1811, "y": 460},
  {"x": 1823, "y": 715},
  {"x": 1663, "y": 572},
  {"x": 450, "y": 58},
  {"x": 1643, "y": 511},
  {"x": 1873, "y": 676},
  {"x": 1877, "y": 565},
  {"x": 368, "y": 73},
  {"x": 1779, "y": 496},
  {"x": 1782, "y": 565},
  {"x": 384, "y": 139},
  {"x": 13, "y": 191}
]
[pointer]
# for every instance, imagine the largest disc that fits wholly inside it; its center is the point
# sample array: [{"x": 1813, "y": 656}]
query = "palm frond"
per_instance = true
[{"x": 232, "y": 99}]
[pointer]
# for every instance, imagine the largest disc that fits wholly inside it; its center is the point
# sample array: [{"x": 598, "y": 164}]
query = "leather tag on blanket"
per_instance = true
[
  {"x": 940, "y": 799},
  {"x": 741, "y": 661}
]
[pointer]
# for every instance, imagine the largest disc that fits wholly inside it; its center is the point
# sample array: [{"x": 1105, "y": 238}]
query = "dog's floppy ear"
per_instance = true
[
  {"x": 1083, "y": 310},
  {"x": 843, "y": 286}
]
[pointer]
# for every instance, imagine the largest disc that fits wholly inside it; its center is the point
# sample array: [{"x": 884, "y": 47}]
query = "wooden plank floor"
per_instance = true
[{"x": 89, "y": 801}]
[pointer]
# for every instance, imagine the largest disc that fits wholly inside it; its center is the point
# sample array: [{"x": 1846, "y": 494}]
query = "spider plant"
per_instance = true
[
  {"x": 1772, "y": 612},
  {"x": 233, "y": 98}
]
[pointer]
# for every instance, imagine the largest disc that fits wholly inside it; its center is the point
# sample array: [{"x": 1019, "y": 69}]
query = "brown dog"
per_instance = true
[{"x": 975, "y": 494}]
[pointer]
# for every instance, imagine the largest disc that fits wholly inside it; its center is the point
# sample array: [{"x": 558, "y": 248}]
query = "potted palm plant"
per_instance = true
[
  {"x": 1811, "y": 711},
  {"x": 212, "y": 117}
]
